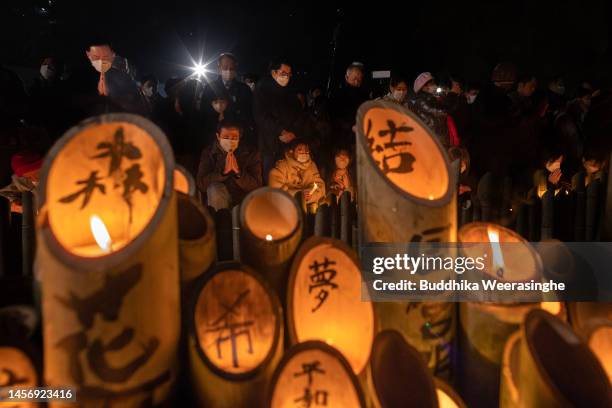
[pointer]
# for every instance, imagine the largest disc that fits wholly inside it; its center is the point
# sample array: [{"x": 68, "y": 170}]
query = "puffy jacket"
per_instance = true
[
  {"x": 292, "y": 176},
  {"x": 426, "y": 107}
]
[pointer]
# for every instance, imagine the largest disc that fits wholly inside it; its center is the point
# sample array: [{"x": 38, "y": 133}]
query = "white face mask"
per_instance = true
[
  {"x": 399, "y": 95},
  {"x": 471, "y": 98},
  {"x": 228, "y": 74},
  {"x": 342, "y": 162},
  {"x": 282, "y": 80},
  {"x": 303, "y": 157},
  {"x": 47, "y": 72},
  {"x": 101, "y": 65},
  {"x": 228, "y": 145},
  {"x": 147, "y": 91}
]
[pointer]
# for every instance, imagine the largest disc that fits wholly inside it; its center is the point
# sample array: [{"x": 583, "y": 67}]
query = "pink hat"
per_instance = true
[
  {"x": 421, "y": 80},
  {"x": 25, "y": 162}
]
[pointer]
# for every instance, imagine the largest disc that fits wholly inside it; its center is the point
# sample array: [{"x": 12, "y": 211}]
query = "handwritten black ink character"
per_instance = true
[
  {"x": 430, "y": 235},
  {"x": 319, "y": 398},
  {"x": 12, "y": 379},
  {"x": 91, "y": 184},
  {"x": 405, "y": 165},
  {"x": 310, "y": 369},
  {"x": 96, "y": 357},
  {"x": 321, "y": 279},
  {"x": 392, "y": 132},
  {"x": 226, "y": 324},
  {"x": 132, "y": 183},
  {"x": 107, "y": 300},
  {"x": 442, "y": 358},
  {"x": 117, "y": 150}
]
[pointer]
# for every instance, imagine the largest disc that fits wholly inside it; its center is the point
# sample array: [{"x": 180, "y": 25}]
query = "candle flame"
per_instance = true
[
  {"x": 314, "y": 188},
  {"x": 431, "y": 197},
  {"x": 498, "y": 258},
  {"x": 268, "y": 237},
  {"x": 100, "y": 233}
]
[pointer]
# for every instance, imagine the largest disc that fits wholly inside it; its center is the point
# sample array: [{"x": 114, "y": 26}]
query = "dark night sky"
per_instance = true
[{"x": 566, "y": 36}]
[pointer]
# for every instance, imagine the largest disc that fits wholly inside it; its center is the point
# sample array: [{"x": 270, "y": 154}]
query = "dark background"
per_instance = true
[{"x": 570, "y": 37}]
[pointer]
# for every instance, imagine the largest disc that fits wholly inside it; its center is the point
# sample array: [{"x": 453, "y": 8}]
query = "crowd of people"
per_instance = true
[{"x": 237, "y": 133}]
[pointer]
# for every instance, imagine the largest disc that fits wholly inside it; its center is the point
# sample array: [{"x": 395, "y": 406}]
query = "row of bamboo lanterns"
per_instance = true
[{"x": 111, "y": 299}]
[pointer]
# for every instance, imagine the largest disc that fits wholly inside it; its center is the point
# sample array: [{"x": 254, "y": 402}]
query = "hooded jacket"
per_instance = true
[{"x": 292, "y": 176}]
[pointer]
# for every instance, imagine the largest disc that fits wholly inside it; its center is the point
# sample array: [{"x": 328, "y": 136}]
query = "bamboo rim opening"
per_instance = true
[
  {"x": 600, "y": 342},
  {"x": 183, "y": 181},
  {"x": 129, "y": 221},
  {"x": 323, "y": 353},
  {"x": 270, "y": 214},
  {"x": 447, "y": 397},
  {"x": 399, "y": 373},
  {"x": 418, "y": 165},
  {"x": 559, "y": 354},
  {"x": 192, "y": 222},
  {"x": 219, "y": 282}
]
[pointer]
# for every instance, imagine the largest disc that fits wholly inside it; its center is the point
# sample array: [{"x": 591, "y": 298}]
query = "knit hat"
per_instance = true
[
  {"x": 25, "y": 162},
  {"x": 421, "y": 80}
]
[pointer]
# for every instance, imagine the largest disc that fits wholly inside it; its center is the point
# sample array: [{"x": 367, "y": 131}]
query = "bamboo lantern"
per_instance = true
[
  {"x": 485, "y": 327},
  {"x": 447, "y": 397},
  {"x": 599, "y": 339},
  {"x": 270, "y": 232},
  {"x": 607, "y": 211},
  {"x": 324, "y": 296},
  {"x": 399, "y": 376},
  {"x": 183, "y": 181},
  {"x": 197, "y": 245},
  {"x": 580, "y": 313},
  {"x": 108, "y": 259},
  {"x": 557, "y": 369},
  {"x": 313, "y": 374},
  {"x": 407, "y": 193},
  {"x": 406, "y": 185},
  {"x": 427, "y": 326},
  {"x": 17, "y": 370},
  {"x": 237, "y": 337},
  {"x": 508, "y": 393}
]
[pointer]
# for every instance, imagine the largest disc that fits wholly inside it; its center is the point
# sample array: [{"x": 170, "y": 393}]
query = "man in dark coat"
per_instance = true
[
  {"x": 344, "y": 103},
  {"x": 278, "y": 113},
  {"x": 228, "y": 170},
  {"x": 237, "y": 94}
]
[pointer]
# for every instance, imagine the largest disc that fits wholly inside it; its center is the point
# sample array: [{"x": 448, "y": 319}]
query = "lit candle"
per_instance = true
[
  {"x": 518, "y": 262},
  {"x": 498, "y": 258},
  {"x": 100, "y": 233}
]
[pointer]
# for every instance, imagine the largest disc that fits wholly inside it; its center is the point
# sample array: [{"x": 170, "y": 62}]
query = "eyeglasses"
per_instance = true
[{"x": 284, "y": 74}]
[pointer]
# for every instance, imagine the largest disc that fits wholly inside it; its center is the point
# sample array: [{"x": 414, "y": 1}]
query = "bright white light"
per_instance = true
[
  {"x": 100, "y": 233},
  {"x": 268, "y": 237},
  {"x": 199, "y": 69},
  {"x": 439, "y": 90}
]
